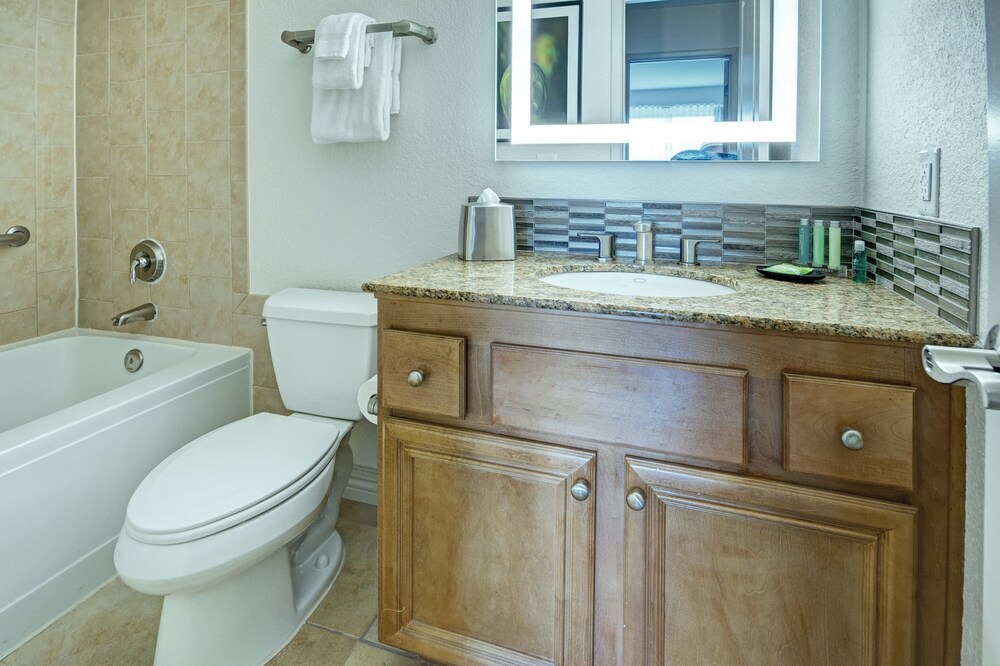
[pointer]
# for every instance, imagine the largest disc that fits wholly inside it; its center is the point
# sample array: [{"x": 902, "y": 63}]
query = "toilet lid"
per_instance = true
[{"x": 229, "y": 476}]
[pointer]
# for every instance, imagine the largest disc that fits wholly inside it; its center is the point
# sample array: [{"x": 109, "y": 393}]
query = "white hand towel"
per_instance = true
[
  {"x": 397, "y": 65},
  {"x": 341, "y": 52},
  {"x": 357, "y": 116}
]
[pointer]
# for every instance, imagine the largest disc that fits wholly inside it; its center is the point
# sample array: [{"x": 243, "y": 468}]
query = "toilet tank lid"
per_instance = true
[{"x": 323, "y": 307}]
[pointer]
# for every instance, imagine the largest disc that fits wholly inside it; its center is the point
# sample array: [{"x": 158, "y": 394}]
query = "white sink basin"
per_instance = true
[{"x": 638, "y": 284}]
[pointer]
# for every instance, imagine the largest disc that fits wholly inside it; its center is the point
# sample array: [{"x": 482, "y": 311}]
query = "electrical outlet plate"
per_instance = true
[{"x": 930, "y": 183}]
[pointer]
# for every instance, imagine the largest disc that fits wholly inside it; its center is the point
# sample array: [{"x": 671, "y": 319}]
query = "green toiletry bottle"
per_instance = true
[
  {"x": 834, "y": 245},
  {"x": 819, "y": 244}
]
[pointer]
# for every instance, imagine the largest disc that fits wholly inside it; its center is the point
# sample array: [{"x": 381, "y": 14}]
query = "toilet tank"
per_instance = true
[{"x": 323, "y": 346}]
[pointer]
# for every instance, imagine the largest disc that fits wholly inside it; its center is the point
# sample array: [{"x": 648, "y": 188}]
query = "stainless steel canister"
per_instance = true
[{"x": 486, "y": 232}]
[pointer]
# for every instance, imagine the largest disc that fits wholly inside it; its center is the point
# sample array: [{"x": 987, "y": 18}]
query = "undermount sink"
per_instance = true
[{"x": 638, "y": 284}]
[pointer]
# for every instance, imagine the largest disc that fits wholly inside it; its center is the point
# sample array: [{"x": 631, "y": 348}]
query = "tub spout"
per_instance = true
[{"x": 145, "y": 312}]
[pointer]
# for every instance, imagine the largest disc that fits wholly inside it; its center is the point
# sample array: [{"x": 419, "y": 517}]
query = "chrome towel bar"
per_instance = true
[
  {"x": 15, "y": 237},
  {"x": 303, "y": 39}
]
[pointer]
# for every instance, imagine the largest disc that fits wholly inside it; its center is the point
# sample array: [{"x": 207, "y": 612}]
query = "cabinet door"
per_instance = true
[
  {"x": 486, "y": 557},
  {"x": 724, "y": 569}
]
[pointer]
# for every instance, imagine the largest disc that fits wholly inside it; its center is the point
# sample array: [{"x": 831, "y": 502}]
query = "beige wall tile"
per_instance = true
[
  {"x": 128, "y": 112},
  {"x": 247, "y": 332},
  {"x": 208, "y": 175},
  {"x": 17, "y": 202},
  {"x": 56, "y": 301},
  {"x": 211, "y": 304},
  {"x": 55, "y": 240},
  {"x": 61, "y": 11},
  {"x": 55, "y": 177},
  {"x": 128, "y": 177},
  {"x": 238, "y": 97},
  {"x": 241, "y": 265},
  {"x": 126, "y": 8},
  {"x": 93, "y": 146},
  {"x": 208, "y": 107},
  {"x": 92, "y": 84},
  {"x": 92, "y": 26},
  {"x": 173, "y": 290},
  {"x": 17, "y": 23},
  {"x": 238, "y": 222},
  {"x": 54, "y": 120},
  {"x": 128, "y": 49},
  {"x": 253, "y": 304},
  {"x": 128, "y": 296},
  {"x": 17, "y": 145},
  {"x": 96, "y": 314},
  {"x": 237, "y": 6},
  {"x": 128, "y": 226},
  {"x": 238, "y": 153},
  {"x": 95, "y": 269},
  {"x": 17, "y": 79},
  {"x": 17, "y": 326},
  {"x": 172, "y": 323},
  {"x": 165, "y": 21},
  {"x": 210, "y": 251},
  {"x": 168, "y": 208},
  {"x": 93, "y": 201},
  {"x": 268, "y": 400},
  {"x": 55, "y": 48},
  {"x": 167, "y": 77},
  {"x": 167, "y": 148},
  {"x": 208, "y": 38},
  {"x": 237, "y": 41},
  {"x": 18, "y": 270}
]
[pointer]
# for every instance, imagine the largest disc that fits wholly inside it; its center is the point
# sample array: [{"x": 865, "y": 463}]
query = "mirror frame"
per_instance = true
[{"x": 782, "y": 128}]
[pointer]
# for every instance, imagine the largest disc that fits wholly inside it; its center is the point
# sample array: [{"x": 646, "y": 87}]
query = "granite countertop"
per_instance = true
[{"x": 835, "y": 306}]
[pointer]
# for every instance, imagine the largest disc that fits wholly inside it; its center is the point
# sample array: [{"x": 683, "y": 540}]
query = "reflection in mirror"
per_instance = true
[{"x": 719, "y": 80}]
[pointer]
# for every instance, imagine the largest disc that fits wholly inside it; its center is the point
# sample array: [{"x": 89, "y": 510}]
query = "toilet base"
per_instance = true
[{"x": 247, "y": 618}]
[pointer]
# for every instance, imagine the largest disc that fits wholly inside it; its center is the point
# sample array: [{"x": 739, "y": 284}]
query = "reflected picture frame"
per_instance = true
[{"x": 557, "y": 73}]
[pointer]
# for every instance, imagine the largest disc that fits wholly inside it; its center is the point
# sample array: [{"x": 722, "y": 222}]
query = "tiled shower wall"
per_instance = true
[
  {"x": 161, "y": 133},
  {"x": 38, "y": 293},
  {"x": 929, "y": 262}
]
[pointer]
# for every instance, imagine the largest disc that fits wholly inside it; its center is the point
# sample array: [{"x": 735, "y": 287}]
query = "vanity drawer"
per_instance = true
[
  {"x": 423, "y": 373},
  {"x": 819, "y": 410},
  {"x": 692, "y": 411}
]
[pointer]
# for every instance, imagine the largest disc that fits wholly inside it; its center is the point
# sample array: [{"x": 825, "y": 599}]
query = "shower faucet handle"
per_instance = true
[
  {"x": 140, "y": 262},
  {"x": 147, "y": 262}
]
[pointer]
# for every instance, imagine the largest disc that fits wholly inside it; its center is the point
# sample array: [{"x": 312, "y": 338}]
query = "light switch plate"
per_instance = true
[{"x": 930, "y": 183}]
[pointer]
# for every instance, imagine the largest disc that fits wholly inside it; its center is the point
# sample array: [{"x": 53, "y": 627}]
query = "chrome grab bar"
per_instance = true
[
  {"x": 15, "y": 237},
  {"x": 303, "y": 39}
]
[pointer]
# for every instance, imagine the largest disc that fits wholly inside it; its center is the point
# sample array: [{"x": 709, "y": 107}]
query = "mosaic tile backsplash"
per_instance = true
[{"x": 928, "y": 262}]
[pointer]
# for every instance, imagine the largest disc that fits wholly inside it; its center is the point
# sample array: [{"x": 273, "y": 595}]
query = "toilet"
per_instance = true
[{"x": 236, "y": 530}]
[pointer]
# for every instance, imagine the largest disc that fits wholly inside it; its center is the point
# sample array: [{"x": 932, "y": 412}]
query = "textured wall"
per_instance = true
[
  {"x": 161, "y": 127},
  {"x": 38, "y": 280},
  {"x": 333, "y": 216}
]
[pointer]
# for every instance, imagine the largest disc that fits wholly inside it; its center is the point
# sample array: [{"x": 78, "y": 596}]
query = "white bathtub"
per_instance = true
[{"x": 77, "y": 435}]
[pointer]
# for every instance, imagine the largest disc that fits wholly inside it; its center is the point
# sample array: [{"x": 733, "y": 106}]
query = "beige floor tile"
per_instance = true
[
  {"x": 358, "y": 512},
  {"x": 115, "y": 626},
  {"x": 315, "y": 647},
  {"x": 350, "y": 605},
  {"x": 369, "y": 655}
]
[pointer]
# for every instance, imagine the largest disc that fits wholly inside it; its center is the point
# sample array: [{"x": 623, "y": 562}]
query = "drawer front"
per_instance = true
[
  {"x": 818, "y": 410},
  {"x": 440, "y": 362},
  {"x": 691, "y": 411}
]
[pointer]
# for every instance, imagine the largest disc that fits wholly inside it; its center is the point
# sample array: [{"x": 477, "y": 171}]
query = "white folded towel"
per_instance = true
[
  {"x": 397, "y": 64},
  {"x": 356, "y": 116},
  {"x": 341, "y": 51}
]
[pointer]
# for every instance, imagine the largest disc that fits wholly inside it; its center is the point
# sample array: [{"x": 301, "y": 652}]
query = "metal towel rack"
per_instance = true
[{"x": 303, "y": 39}]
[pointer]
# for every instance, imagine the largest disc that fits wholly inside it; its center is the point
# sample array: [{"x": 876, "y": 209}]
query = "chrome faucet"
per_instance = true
[
  {"x": 605, "y": 246},
  {"x": 689, "y": 250},
  {"x": 144, "y": 312}
]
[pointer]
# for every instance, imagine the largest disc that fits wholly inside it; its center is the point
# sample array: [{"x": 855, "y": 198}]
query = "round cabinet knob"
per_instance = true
[
  {"x": 852, "y": 439},
  {"x": 636, "y": 499},
  {"x": 580, "y": 490},
  {"x": 415, "y": 378}
]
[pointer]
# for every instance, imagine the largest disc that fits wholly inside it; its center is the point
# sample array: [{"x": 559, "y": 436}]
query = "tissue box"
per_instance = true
[{"x": 486, "y": 232}]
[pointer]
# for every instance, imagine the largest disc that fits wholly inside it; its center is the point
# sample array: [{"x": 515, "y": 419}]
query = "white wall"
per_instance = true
[
  {"x": 928, "y": 87},
  {"x": 334, "y": 216}
]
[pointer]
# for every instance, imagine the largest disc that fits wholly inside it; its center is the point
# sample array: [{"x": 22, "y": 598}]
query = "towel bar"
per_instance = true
[{"x": 303, "y": 39}]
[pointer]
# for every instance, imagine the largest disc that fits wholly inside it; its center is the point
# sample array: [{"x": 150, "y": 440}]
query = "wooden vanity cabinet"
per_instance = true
[{"x": 604, "y": 490}]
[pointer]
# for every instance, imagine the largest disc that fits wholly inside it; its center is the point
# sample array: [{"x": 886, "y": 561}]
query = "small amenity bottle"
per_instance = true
[
  {"x": 804, "y": 247},
  {"x": 859, "y": 261},
  {"x": 819, "y": 244},
  {"x": 834, "y": 245}
]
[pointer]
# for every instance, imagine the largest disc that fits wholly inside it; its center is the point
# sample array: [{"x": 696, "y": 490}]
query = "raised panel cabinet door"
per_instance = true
[
  {"x": 724, "y": 569},
  {"x": 486, "y": 547}
]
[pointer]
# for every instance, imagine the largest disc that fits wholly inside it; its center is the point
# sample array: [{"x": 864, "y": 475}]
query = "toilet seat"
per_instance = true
[{"x": 229, "y": 476}]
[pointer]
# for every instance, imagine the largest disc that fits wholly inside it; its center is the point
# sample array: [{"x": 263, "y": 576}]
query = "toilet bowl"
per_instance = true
[{"x": 236, "y": 530}]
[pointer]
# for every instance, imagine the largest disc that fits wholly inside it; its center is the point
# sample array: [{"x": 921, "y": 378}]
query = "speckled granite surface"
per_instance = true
[{"x": 834, "y": 306}]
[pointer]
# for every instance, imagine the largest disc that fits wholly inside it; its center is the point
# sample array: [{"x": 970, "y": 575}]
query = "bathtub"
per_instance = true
[{"x": 77, "y": 434}]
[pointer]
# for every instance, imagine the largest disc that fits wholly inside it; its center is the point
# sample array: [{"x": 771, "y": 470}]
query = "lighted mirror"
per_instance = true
[{"x": 657, "y": 80}]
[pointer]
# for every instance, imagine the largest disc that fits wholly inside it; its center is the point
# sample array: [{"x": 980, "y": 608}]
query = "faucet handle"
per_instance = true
[
  {"x": 689, "y": 250},
  {"x": 605, "y": 246}
]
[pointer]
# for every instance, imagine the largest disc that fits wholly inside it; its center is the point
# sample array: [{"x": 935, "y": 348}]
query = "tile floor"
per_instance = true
[{"x": 117, "y": 626}]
